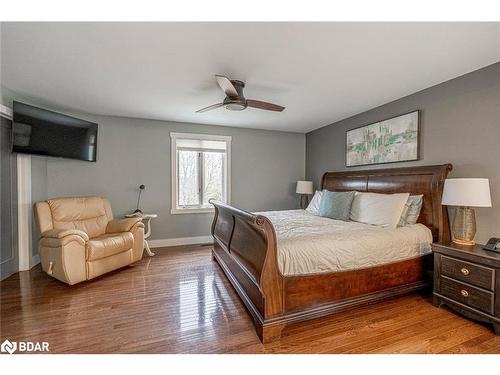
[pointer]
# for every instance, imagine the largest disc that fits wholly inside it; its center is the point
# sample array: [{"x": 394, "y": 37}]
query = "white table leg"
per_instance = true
[
  {"x": 146, "y": 235},
  {"x": 148, "y": 250}
]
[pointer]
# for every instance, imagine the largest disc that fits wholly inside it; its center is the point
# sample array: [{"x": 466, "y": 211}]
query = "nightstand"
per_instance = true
[{"x": 467, "y": 280}]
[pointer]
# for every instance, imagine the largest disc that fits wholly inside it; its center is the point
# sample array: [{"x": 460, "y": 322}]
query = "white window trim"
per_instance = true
[{"x": 173, "y": 167}]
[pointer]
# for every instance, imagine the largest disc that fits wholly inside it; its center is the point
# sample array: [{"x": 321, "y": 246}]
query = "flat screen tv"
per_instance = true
[{"x": 41, "y": 132}]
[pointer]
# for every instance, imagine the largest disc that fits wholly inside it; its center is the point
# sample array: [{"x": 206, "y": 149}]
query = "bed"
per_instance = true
[
  {"x": 309, "y": 244},
  {"x": 289, "y": 283}
]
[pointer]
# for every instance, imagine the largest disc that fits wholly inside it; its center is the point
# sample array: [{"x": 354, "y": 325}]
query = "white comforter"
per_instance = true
[{"x": 309, "y": 244}]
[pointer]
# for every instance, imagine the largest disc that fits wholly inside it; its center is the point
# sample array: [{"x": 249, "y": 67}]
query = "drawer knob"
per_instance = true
[
  {"x": 464, "y": 271},
  {"x": 464, "y": 293}
]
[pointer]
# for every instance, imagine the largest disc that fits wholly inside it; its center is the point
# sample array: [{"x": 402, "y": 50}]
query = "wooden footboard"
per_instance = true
[{"x": 245, "y": 247}]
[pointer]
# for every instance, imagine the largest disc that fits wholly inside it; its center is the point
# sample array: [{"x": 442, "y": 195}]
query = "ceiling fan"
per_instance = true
[{"x": 235, "y": 101}]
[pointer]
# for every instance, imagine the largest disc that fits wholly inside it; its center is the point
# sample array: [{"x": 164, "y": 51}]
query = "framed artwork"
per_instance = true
[{"x": 389, "y": 141}]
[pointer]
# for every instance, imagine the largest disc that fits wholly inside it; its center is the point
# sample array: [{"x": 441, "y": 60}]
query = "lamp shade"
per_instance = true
[
  {"x": 304, "y": 187},
  {"x": 469, "y": 192}
]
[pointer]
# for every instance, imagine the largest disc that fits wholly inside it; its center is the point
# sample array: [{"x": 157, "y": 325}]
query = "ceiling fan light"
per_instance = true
[{"x": 235, "y": 106}]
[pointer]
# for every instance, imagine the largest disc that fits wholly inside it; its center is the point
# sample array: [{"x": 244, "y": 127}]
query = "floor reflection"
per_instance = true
[
  {"x": 196, "y": 302},
  {"x": 201, "y": 303}
]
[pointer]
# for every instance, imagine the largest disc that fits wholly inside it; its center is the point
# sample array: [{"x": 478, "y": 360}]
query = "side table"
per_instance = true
[{"x": 147, "y": 218}]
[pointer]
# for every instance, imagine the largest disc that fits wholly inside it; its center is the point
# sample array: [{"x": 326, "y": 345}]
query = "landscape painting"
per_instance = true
[{"x": 387, "y": 141}]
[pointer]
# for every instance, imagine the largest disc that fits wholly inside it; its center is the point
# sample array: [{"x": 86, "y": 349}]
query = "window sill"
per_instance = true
[{"x": 182, "y": 211}]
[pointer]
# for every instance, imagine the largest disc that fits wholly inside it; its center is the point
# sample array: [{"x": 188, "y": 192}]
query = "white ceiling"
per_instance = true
[{"x": 321, "y": 72}]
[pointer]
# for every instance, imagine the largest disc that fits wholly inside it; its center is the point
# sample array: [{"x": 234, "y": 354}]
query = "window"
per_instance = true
[{"x": 200, "y": 171}]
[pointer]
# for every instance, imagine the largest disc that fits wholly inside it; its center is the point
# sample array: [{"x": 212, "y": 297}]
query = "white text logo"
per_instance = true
[{"x": 24, "y": 346}]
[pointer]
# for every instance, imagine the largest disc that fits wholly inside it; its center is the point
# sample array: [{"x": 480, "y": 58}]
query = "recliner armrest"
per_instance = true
[
  {"x": 123, "y": 225},
  {"x": 61, "y": 233}
]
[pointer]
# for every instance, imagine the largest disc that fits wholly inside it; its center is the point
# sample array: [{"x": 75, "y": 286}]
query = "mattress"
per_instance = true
[{"x": 309, "y": 244}]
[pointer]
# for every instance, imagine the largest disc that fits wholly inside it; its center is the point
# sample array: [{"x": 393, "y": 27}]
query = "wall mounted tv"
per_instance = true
[{"x": 41, "y": 132}]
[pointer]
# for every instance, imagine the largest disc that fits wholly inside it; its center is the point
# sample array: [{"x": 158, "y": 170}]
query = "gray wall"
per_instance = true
[
  {"x": 265, "y": 168},
  {"x": 460, "y": 125}
]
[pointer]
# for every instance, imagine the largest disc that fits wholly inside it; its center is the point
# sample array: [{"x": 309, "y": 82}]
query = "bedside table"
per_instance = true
[{"x": 467, "y": 280}]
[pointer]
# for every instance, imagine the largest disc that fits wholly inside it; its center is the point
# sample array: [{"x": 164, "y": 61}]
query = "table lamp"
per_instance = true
[
  {"x": 138, "y": 210},
  {"x": 465, "y": 193},
  {"x": 304, "y": 188}
]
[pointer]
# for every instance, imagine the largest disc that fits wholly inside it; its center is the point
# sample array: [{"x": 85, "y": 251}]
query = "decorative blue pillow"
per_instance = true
[{"x": 336, "y": 204}]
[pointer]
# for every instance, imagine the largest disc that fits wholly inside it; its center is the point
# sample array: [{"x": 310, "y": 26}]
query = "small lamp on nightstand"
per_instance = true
[
  {"x": 465, "y": 193},
  {"x": 304, "y": 188}
]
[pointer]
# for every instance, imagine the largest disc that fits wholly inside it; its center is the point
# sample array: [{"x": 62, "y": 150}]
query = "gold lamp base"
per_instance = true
[
  {"x": 463, "y": 229},
  {"x": 463, "y": 243}
]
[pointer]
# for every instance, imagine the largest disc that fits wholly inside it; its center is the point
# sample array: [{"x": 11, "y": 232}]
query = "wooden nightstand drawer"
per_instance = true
[
  {"x": 467, "y": 294},
  {"x": 467, "y": 280},
  {"x": 468, "y": 272}
]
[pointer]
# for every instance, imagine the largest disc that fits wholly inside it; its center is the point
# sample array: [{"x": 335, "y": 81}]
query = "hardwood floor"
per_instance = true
[{"x": 180, "y": 302}]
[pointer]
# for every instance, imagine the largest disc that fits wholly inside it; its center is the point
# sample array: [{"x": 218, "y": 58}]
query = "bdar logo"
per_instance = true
[
  {"x": 24, "y": 346},
  {"x": 8, "y": 347}
]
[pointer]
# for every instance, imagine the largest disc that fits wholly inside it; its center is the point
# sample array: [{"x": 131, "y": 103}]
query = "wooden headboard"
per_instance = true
[{"x": 426, "y": 180}]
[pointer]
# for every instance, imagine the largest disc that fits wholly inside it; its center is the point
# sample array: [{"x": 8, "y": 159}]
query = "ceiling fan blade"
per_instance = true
[
  {"x": 210, "y": 107},
  {"x": 226, "y": 86},
  {"x": 264, "y": 105}
]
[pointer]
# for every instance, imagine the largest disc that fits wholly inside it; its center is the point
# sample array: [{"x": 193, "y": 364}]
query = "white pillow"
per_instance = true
[
  {"x": 378, "y": 209},
  {"x": 411, "y": 210},
  {"x": 313, "y": 206}
]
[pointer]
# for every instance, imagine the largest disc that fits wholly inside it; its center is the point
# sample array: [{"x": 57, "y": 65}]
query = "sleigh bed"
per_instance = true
[{"x": 246, "y": 248}]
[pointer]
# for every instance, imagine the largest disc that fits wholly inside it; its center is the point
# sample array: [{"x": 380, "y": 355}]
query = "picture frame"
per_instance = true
[{"x": 392, "y": 140}]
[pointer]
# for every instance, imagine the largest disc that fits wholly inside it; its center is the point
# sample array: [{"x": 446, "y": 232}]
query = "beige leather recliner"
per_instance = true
[{"x": 80, "y": 240}]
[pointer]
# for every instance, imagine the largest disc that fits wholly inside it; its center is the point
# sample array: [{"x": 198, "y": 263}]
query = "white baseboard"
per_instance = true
[{"x": 180, "y": 241}]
